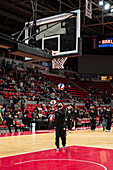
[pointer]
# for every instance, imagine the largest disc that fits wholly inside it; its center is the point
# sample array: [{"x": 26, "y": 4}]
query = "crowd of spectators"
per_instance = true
[
  {"x": 32, "y": 85},
  {"x": 98, "y": 96}
]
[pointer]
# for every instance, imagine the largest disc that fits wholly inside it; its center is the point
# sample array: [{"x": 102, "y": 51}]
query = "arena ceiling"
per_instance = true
[{"x": 14, "y": 13}]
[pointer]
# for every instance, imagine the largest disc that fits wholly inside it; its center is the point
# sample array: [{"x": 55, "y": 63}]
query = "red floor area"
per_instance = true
[
  {"x": 72, "y": 158},
  {"x": 25, "y": 133},
  {"x": 36, "y": 132}
]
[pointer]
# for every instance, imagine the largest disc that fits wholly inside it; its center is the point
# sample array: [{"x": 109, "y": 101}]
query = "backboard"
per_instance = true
[{"x": 59, "y": 34}]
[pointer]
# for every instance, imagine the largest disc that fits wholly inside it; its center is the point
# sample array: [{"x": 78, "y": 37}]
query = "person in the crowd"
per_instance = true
[
  {"x": 40, "y": 114},
  {"x": 22, "y": 104},
  {"x": 35, "y": 115},
  {"x": 16, "y": 106},
  {"x": 1, "y": 119},
  {"x": 15, "y": 100},
  {"x": 26, "y": 120},
  {"x": 69, "y": 116},
  {"x": 108, "y": 118},
  {"x": 16, "y": 118},
  {"x": 100, "y": 113},
  {"x": 82, "y": 112},
  {"x": 60, "y": 126},
  {"x": 87, "y": 104},
  {"x": 9, "y": 123},
  {"x": 104, "y": 122},
  {"x": 92, "y": 115},
  {"x": 75, "y": 116}
]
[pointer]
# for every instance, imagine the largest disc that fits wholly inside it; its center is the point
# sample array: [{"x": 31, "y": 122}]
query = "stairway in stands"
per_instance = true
[
  {"x": 74, "y": 89},
  {"x": 82, "y": 84}
]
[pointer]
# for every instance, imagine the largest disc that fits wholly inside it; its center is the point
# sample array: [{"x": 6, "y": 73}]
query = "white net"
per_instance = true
[{"x": 58, "y": 63}]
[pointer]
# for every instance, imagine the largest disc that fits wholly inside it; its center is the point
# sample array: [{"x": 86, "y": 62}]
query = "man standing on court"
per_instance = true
[
  {"x": 69, "y": 116},
  {"x": 104, "y": 120},
  {"x": 75, "y": 116},
  {"x": 92, "y": 115},
  {"x": 108, "y": 117},
  {"x": 60, "y": 126}
]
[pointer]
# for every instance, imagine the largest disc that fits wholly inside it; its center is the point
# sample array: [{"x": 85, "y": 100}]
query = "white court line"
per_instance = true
[
  {"x": 95, "y": 147},
  {"x": 27, "y": 153},
  {"x": 75, "y": 160},
  {"x": 54, "y": 149}
]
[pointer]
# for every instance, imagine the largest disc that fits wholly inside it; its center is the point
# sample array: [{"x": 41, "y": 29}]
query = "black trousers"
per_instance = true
[
  {"x": 69, "y": 123},
  {"x": 93, "y": 124},
  {"x": 108, "y": 127},
  {"x": 60, "y": 132},
  {"x": 9, "y": 128},
  {"x": 100, "y": 120},
  {"x": 22, "y": 109}
]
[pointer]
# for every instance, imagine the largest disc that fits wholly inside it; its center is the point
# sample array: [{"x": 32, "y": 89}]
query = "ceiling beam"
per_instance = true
[
  {"x": 39, "y": 5},
  {"x": 7, "y": 29},
  {"x": 91, "y": 25},
  {"x": 72, "y": 4},
  {"x": 14, "y": 23},
  {"x": 109, "y": 27},
  {"x": 44, "y": 7},
  {"x": 21, "y": 2},
  {"x": 16, "y": 8},
  {"x": 12, "y": 16},
  {"x": 66, "y": 4},
  {"x": 50, "y": 6},
  {"x": 92, "y": 30}
]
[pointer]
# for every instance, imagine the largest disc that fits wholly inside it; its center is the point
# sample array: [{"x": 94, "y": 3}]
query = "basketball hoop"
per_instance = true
[
  {"x": 54, "y": 52},
  {"x": 58, "y": 63}
]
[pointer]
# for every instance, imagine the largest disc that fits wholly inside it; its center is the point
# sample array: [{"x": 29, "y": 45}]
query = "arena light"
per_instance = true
[
  {"x": 101, "y": 3},
  {"x": 107, "y": 6},
  {"x": 111, "y": 9}
]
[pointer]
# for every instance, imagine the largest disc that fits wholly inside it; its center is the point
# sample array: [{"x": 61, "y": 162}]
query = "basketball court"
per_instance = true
[{"x": 84, "y": 150}]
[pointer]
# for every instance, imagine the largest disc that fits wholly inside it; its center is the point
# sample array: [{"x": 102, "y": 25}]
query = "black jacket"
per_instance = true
[
  {"x": 103, "y": 114},
  {"x": 75, "y": 113},
  {"x": 9, "y": 121},
  {"x": 108, "y": 113},
  {"x": 92, "y": 113},
  {"x": 34, "y": 115},
  {"x": 69, "y": 114},
  {"x": 60, "y": 117}
]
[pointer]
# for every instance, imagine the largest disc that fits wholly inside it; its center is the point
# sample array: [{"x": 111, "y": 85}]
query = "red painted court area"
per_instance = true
[{"x": 72, "y": 158}]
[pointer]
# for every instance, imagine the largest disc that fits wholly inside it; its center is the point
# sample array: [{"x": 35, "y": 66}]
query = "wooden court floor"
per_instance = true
[{"x": 14, "y": 145}]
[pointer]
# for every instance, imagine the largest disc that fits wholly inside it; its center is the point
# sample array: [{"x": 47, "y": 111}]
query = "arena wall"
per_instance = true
[{"x": 96, "y": 64}]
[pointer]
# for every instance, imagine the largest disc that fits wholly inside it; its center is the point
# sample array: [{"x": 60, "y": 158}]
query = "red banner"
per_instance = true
[{"x": 94, "y": 42}]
